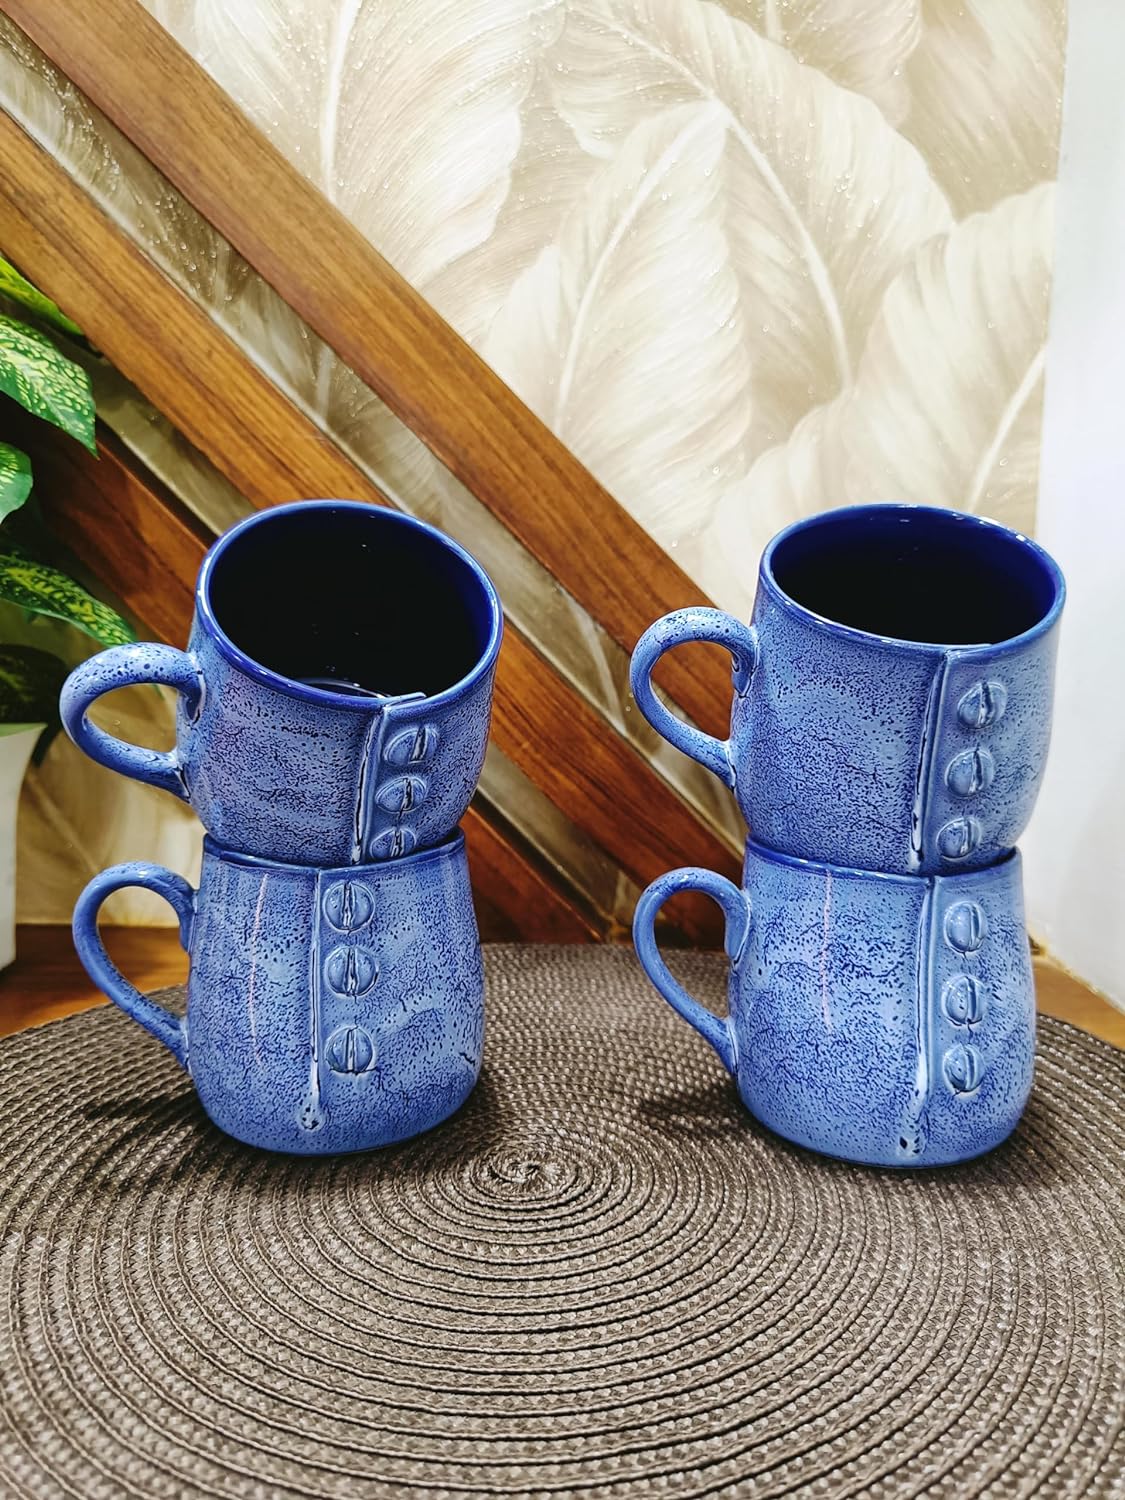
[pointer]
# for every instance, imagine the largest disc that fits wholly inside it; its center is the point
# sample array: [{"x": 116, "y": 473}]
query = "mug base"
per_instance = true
[
  {"x": 292, "y": 1138},
  {"x": 891, "y": 1156}
]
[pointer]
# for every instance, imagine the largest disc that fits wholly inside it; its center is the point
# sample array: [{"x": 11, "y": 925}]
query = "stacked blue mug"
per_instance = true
[
  {"x": 332, "y": 719},
  {"x": 889, "y": 729}
]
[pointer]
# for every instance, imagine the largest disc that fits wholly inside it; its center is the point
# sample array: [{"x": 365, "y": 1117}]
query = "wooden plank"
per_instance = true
[
  {"x": 92, "y": 504},
  {"x": 162, "y": 341},
  {"x": 327, "y": 271},
  {"x": 517, "y": 897}
]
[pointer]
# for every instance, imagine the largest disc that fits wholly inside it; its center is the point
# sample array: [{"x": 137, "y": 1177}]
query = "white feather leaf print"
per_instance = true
[
  {"x": 405, "y": 113},
  {"x": 176, "y": 16},
  {"x": 825, "y": 201},
  {"x": 548, "y": 174},
  {"x": 986, "y": 96},
  {"x": 625, "y": 337},
  {"x": 947, "y": 404},
  {"x": 862, "y": 44}
]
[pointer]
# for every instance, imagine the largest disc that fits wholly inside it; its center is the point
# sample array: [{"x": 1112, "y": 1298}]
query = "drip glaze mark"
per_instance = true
[
  {"x": 365, "y": 792},
  {"x": 312, "y": 1115},
  {"x": 912, "y": 1135},
  {"x": 924, "y": 773}
]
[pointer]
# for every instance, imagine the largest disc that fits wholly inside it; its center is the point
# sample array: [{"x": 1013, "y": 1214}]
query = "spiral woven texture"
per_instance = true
[{"x": 601, "y": 1278}]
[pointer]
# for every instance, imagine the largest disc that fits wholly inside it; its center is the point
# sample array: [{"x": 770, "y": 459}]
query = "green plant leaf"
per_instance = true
[
  {"x": 45, "y": 591},
  {"x": 15, "y": 479},
  {"x": 18, "y": 289},
  {"x": 30, "y": 681},
  {"x": 46, "y": 383}
]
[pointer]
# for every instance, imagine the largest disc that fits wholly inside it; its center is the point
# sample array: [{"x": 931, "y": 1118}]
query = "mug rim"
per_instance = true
[
  {"x": 450, "y": 847},
  {"x": 958, "y": 517},
  {"x": 325, "y": 696},
  {"x": 895, "y": 877}
]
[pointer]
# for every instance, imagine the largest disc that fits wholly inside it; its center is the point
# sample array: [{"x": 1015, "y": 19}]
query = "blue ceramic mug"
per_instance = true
[
  {"x": 336, "y": 692},
  {"x": 883, "y": 1018},
  {"x": 328, "y": 1010},
  {"x": 892, "y": 695}
]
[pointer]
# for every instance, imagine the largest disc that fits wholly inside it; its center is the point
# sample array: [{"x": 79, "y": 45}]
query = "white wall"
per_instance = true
[{"x": 1075, "y": 848}]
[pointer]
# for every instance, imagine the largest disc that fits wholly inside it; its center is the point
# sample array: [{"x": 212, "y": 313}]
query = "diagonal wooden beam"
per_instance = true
[
  {"x": 140, "y": 542},
  {"x": 173, "y": 352},
  {"x": 154, "y": 92}
]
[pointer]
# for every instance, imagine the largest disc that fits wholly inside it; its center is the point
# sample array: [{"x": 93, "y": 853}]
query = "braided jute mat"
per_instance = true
[{"x": 601, "y": 1278}]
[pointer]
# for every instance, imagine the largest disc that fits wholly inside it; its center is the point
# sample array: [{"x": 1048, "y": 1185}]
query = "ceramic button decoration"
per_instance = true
[
  {"x": 886, "y": 1019},
  {"x": 892, "y": 695},
  {"x": 336, "y": 691},
  {"x": 328, "y": 1009}
]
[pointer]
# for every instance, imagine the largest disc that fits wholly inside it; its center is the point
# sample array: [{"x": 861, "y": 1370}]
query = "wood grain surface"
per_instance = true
[
  {"x": 135, "y": 72},
  {"x": 93, "y": 504},
  {"x": 172, "y": 351}
]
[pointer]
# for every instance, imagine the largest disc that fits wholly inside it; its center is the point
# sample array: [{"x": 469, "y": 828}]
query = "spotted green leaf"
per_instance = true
[
  {"x": 35, "y": 373},
  {"x": 30, "y": 681},
  {"x": 18, "y": 289},
  {"x": 45, "y": 591},
  {"x": 15, "y": 479}
]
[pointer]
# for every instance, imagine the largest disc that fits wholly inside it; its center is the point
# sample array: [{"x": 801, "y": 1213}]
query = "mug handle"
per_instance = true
[
  {"x": 676, "y": 629},
  {"x": 736, "y": 908},
  {"x": 163, "y": 1025},
  {"x": 124, "y": 666}
]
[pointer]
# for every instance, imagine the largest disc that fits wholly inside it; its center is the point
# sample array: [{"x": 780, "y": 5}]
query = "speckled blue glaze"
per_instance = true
[
  {"x": 886, "y": 1019},
  {"x": 867, "y": 750},
  {"x": 286, "y": 771},
  {"x": 328, "y": 1010}
]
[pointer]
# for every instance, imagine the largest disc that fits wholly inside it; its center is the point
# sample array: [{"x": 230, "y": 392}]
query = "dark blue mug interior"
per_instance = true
[
  {"x": 352, "y": 599},
  {"x": 916, "y": 574}
]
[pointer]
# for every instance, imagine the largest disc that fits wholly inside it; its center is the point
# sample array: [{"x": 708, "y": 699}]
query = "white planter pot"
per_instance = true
[{"x": 17, "y": 741}]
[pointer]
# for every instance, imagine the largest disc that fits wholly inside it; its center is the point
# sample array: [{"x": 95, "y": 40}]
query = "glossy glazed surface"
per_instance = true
[
  {"x": 888, "y": 1020},
  {"x": 870, "y": 751},
  {"x": 286, "y": 767},
  {"x": 328, "y": 1010}
]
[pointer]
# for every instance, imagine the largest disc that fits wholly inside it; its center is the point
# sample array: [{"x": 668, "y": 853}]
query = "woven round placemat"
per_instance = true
[{"x": 600, "y": 1278}]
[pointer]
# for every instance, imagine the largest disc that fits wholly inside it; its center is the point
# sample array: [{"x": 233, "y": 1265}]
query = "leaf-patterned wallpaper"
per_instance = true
[{"x": 748, "y": 259}]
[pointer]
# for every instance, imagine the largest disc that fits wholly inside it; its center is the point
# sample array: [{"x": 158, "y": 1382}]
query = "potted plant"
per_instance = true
[{"x": 37, "y": 373}]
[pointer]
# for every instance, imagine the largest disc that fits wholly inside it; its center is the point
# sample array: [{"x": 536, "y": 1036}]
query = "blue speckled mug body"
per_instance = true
[
  {"x": 873, "y": 750},
  {"x": 885, "y": 1019},
  {"x": 279, "y": 766},
  {"x": 328, "y": 1009}
]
